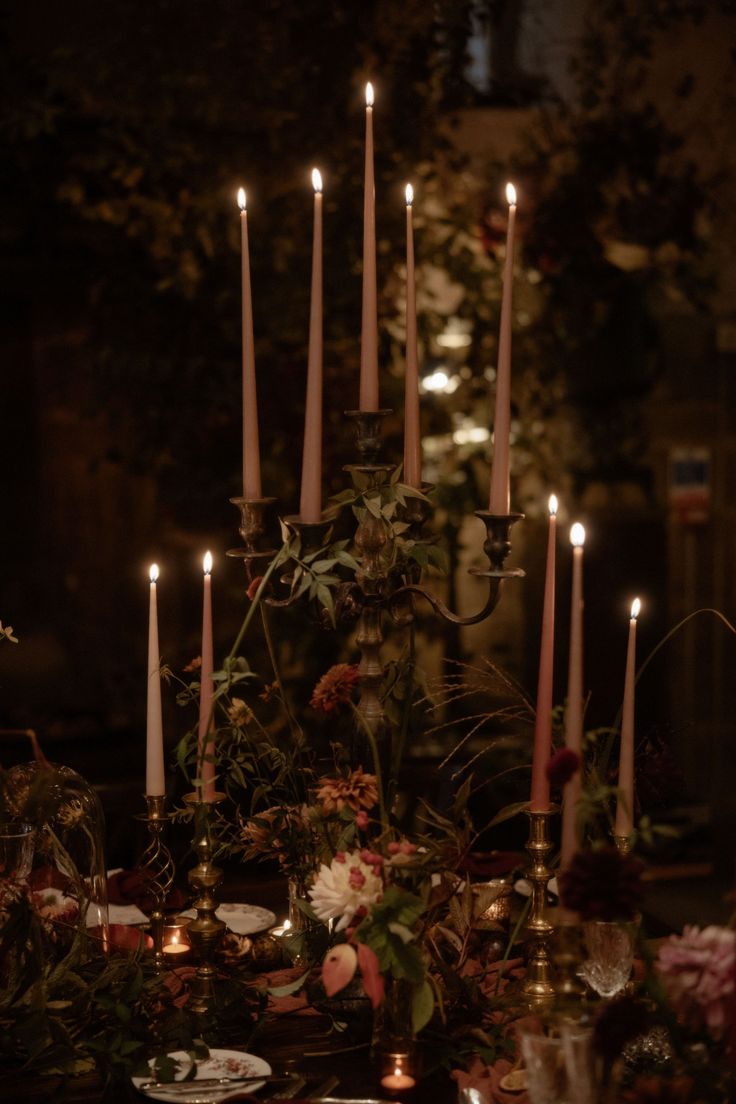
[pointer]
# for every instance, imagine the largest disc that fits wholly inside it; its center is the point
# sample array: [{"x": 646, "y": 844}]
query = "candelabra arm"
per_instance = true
[
  {"x": 496, "y": 546},
  {"x": 401, "y": 616}
]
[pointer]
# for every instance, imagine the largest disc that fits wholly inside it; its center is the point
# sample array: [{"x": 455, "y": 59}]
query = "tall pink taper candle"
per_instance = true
[
  {"x": 500, "y": 488},
  {"x": 625, "y": 804},
  {"x": 412, "y": 434},
  {"x": 369, "y": 330},
  {"x": 310, "y": 506},
  {"x": 205, "y": 745},
  {"x": 155, "y": 780},
  {"x": 543, "y": 723},
  {"x": 251, "y": 448},
  {"x": 574, "y": 707}
]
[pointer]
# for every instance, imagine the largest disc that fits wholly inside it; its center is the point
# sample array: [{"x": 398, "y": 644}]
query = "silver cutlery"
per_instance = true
[{"x": 183, "y": 1087}]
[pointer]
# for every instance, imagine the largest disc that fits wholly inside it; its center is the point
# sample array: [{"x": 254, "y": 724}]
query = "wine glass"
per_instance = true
[
  {"x": 610, "y": 947},
  {"x": 559, "y": 1067},
  {"x": 16, "y": 850}
]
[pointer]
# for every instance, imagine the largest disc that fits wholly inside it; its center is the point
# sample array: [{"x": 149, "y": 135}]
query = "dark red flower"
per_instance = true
[
  {"x": 562, "y": 766},
  {"x": 253, "y": 587},
  {"x": 334, "y": 688},
  {"x": 602, "y": 884}
]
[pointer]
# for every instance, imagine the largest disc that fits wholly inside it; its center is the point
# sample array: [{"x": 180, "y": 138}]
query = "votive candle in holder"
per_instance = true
[
  {"x": 176, "y": 942},
  {"x": 398, "y": 1073}
]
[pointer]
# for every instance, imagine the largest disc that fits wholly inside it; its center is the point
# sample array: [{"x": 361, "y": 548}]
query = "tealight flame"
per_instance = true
[
  {"x": 635, "y": 609},
  {"x": 287, "y": 925},
  {"x": 317, "y": 180},
  {"x": 241, "y": 198},
  {"x": 553, "y": 505},
  {"x": 409, "y": 195},
  {"x": 577, "y": 535},
  {"x": 397, "y": 1071},
  {"x": 369, "y": 95},
  {"x": 510, "y": 194},
  {"x": 207, "y": 563},
  {"x": 153, "y": 573}
]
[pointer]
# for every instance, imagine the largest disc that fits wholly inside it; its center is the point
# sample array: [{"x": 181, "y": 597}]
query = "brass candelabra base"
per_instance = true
[
  {"x": 157, "y": 868},
  {"x": 538, "y": 985},
  {"x": 205, "y": 931}
]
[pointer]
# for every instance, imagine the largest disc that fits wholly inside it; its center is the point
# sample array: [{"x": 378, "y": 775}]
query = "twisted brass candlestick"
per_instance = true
[
  {"x": 538, "y": 986},
  {"x": 157, "y": 868},
  {"x": 205, "y": 931}
]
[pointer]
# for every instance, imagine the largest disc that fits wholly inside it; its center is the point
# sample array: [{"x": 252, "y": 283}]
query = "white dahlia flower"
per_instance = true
[{"x": 343, "y": 887}]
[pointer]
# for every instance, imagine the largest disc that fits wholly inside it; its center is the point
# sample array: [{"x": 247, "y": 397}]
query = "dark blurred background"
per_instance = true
[{"x": 126, "y": 130}]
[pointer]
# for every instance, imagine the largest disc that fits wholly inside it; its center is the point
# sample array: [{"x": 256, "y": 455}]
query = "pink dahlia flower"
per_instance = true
[{"x": 698, "y": 970}]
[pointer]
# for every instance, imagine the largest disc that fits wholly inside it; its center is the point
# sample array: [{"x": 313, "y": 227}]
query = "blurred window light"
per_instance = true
[
  {"x": 438, "y": 382},
  {"x": 456, "y": 334},
  {"x": 468, "y": 433}
]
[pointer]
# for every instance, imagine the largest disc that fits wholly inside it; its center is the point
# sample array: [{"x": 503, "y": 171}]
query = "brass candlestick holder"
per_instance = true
[
  {"x": 538, "y": 986},
  {"x": 205, "y": 931},
  {"x": 157, "y": 867},
  {"x": 252, "y": 529},
  {"x": 623, "y": 844}
]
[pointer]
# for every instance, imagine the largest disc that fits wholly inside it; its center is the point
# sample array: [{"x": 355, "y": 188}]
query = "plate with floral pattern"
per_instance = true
[
  {"x": 220, "y": 1063},
  {"x": 242, "y": 919}
]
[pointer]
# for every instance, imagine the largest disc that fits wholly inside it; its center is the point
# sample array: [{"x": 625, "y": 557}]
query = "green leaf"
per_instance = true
[
  {"x": 422, "y": 1006},
  {"x": 292, "y": 987},
  {"x": 508, "y": 812}
]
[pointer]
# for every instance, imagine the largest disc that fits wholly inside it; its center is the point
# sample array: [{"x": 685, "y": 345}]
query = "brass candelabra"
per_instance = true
[
  {"x": 538, "y": 984},
  {"x": 376, "y": 594},
  {"x": 157, "y": 868},
  {"x": 206, "y": 930}
]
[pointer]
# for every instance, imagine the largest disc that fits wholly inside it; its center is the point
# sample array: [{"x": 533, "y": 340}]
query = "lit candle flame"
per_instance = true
[
  {"x": 241, "y": 198},
  {"x": 553, "y": 504},
  {"x": 635, "y": 608},
  {"x": 153, "y": 573},
  {"x": 510, "y": 194},
  {"x": 287, "y": 925},
  {"x": 577, "y": 535},
  {"x": 369, "y": 95},
  {"x": 397, "y": 1071},
  {"x": 317, "y": 180},
  {"x": 207, "y": 563},
  {"x": 409, "y": 195}
]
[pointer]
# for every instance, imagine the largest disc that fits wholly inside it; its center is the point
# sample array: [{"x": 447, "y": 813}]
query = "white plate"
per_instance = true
[
  {"x": 221, "y": 1063},
  {"x": 524, "y": 888},
  {"x": 243, "y": 919}
]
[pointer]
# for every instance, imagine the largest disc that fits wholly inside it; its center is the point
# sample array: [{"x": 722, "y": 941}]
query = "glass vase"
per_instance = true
[{"x": 68, "y": 876}]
